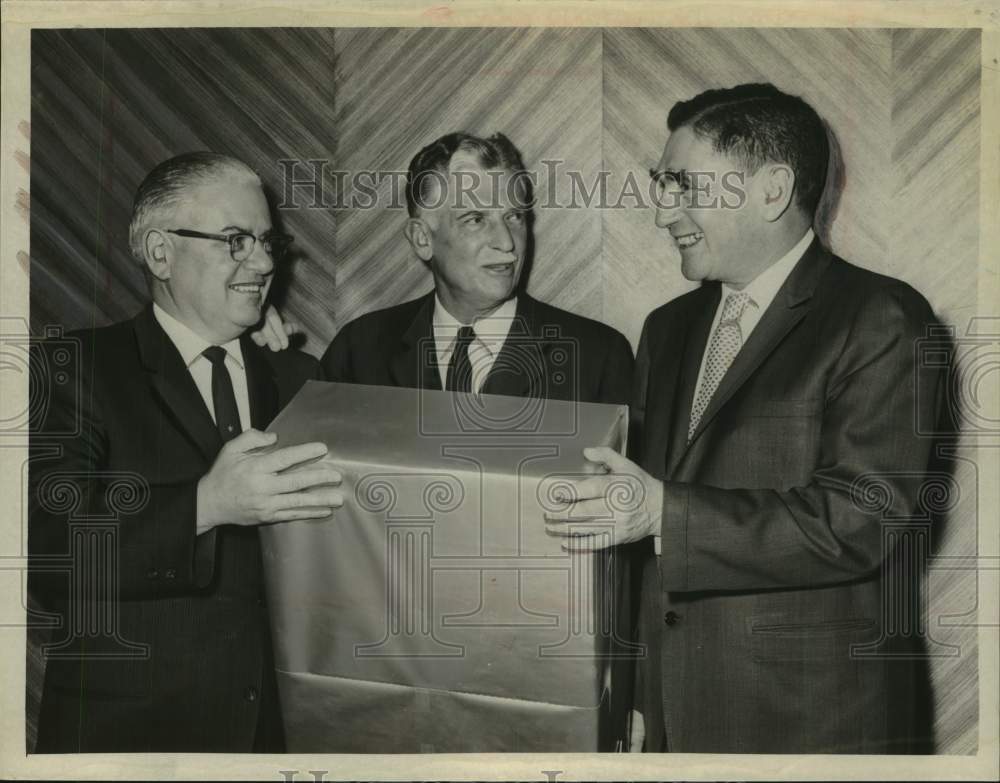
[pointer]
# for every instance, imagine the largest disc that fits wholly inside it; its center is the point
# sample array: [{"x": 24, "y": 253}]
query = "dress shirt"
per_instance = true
[
  {"x": 190, "y": 347},
  {"x": 762, "y": 290},
  {"x": 491, "y": 333}
]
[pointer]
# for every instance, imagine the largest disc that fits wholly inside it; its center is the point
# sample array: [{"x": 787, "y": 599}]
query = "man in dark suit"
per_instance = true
[
  {"x": 469, "y": 202},
  {"x": 469, "y": 205},
  {"x": 163, "y": 642},
  {"x": 769, "y": 402}
]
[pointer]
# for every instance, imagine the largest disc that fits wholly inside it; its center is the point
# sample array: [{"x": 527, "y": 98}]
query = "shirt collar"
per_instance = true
[
  {"x": 189, "y": 344},
  {"x": 764, "y": 287},
  {"x": 491, "y": 330}
]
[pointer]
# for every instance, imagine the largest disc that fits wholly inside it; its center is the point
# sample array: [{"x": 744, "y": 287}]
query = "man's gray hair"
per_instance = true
[{"x": 166, "y": 185}]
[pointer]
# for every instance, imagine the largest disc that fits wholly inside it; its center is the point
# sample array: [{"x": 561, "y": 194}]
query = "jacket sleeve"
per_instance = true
[
  {"x": 83, "y": 514},
  {"x": 337, "y": 365},
  {"x": 871, "y": 464},
  {"x": 616, "y": 373}
]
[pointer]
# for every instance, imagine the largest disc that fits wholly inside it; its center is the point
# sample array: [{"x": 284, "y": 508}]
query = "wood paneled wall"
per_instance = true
[
  {"x": 398, "y": 90},
  {"x": 109, "y": 105}
]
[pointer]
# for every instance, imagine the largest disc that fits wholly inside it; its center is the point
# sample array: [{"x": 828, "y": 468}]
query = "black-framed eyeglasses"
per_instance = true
[{"x": 241, "y": 244}]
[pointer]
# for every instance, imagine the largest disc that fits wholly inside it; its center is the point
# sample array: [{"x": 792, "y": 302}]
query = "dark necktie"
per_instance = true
[
  {"x": 227, "y": 415},
  {"x": 459, "y": 376}
]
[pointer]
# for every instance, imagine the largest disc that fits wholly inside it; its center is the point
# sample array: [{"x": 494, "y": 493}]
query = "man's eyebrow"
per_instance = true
[
  {"x": 235, "y": 230},
  {"x": 677, "y": 176}
]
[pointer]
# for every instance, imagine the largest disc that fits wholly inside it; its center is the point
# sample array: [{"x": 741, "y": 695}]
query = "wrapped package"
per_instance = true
[{"x": 432, "y": 613}]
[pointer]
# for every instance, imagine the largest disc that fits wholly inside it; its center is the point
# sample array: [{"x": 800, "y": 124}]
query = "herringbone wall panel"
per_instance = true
[
  {"x": 398, "y": 90},
  {"x": 904, "y": 108},
  {"x": 934, "y": 244},
  {"x": 843, "y": 73},
  {"x": 108, "y": 105}
]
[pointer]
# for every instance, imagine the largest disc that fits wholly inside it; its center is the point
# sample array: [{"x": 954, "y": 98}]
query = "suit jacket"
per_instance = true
[
  {"x": 180, "y": 658},
  {"x": 773, "y": 545},
  {"x": 395, "y": 347}
]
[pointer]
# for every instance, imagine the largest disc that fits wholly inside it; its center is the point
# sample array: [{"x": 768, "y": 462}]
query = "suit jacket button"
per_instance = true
[
  {"x": 152, "y": 573},
  {"x": 671, "y": 618},
  {"x": 250, "y": 694}
]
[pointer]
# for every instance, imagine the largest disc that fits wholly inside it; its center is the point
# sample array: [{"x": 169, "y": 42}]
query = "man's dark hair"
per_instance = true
[
  {"x": 165, "y": 186},
  {"x": 496, "y": 152},
  {"x": 757, "y": 123}
]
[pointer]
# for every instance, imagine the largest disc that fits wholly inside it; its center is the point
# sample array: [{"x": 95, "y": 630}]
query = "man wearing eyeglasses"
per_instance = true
[{"x": 176, "y": 401}]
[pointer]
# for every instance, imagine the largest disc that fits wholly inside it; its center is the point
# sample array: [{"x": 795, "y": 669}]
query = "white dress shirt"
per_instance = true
[
  {"x": 190, "y": 347},
  {"x": 491, "y": 332},
  {"x": 762, "y": 290}
]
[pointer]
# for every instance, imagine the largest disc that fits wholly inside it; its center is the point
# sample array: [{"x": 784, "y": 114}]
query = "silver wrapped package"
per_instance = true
[{"x": 432, "y": 613}]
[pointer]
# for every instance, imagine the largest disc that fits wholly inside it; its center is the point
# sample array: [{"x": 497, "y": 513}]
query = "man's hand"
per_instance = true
[
  {"x": 274, "y": 333},
  {"x": 625, "y": 498},
  {"x": 247, "y": 487}
]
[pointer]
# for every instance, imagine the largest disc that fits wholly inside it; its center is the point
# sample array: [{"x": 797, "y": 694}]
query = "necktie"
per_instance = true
[
  {"x": 459, "y": 376},
  {"x": 227, "y": 415},
  {"x": 726, "y": 343}
]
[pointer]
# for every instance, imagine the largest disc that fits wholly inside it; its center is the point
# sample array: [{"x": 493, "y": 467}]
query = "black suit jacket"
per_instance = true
[
  {"x": 549, "y": 353},
  {"x": 164, "y": 644},
  {"x": 768, "y": 615}
]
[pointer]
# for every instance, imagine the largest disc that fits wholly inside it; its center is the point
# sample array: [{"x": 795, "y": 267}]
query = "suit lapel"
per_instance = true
[
  {"x": 509, "y": 375},
  {"x": 261, "y": 386},
  {"x": 694, "y": 341},
  {"x": 414, "y": 364},
  {"x": 787, "y": 309},
  {"x": 173, "y": 385}
]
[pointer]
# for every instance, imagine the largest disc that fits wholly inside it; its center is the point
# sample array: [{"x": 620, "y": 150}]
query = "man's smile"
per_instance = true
[
  {"x": 247, "y": 288},
  {"x": 685, "y": 241}
]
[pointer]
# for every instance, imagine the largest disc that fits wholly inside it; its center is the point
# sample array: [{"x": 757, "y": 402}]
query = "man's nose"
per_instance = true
[
  {"x": 669, "y": 206},
  {"x": 260, "y": 260},
  {"x": 503, "y": 239}
]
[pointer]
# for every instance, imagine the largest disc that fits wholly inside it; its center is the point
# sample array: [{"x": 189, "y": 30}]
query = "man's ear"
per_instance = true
[
  {"x": 777, "y": 185},
  {"x": 418, "y": 234},
  {"x": 157, "y": 252}
]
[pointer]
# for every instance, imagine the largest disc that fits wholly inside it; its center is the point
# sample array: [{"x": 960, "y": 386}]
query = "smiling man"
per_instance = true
[
  {"x": 174, "y": 402},
  {"x": 469, "y": 203},
  {"x": 768, "y": 402}
]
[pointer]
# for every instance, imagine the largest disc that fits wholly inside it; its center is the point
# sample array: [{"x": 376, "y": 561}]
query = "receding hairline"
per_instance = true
[
  {"x": 222, "y": 170},
  {"x": 449, "y": 178}
]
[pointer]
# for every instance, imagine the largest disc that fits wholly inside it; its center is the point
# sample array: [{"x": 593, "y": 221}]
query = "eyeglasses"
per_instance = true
[{"x": 241, "y": 244}]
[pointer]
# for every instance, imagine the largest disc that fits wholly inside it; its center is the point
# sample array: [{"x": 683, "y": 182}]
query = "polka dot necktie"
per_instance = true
[
  {"x": 726, "y": 343},
  {"x": 227, "y": 415}
]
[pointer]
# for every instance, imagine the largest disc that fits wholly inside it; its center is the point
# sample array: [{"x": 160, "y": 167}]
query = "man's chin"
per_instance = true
[
  {"x": 692, "y": 270},
  {"x": 247, "y": 318}
]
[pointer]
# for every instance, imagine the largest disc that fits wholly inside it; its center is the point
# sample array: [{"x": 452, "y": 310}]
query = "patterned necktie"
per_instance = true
[
  {"x": 726, "y": 343},
  {"x": 459, "y": 376},
  {"x": 227, "y": 415}
]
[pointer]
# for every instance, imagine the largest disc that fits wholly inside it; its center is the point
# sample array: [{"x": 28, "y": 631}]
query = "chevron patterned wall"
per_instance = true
[
  {"x": 398, "y": 90},
  {"x": 903, "y": 104},
  {"x": 934, "y": 244},
  {"x": 904, "y": 108},
  {"x": 108, "y": 105}
]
